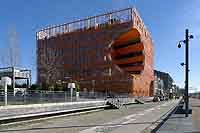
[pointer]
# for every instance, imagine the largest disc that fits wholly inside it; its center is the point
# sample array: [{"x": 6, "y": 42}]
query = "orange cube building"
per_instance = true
[{"x": 111, "y": 52}]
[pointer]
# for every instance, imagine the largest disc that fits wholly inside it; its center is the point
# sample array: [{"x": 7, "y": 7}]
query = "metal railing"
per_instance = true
[
  {"x": 195, "y": 95},
  {"x": 41, "y": 97},
  {"x": 116, "y": 17}
]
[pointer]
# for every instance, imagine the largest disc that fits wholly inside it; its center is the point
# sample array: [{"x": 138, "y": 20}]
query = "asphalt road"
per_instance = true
[{"x": 138, "y": 115}]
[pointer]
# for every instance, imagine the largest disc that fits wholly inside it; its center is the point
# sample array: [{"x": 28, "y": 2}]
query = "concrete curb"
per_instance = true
[
  {"x": 159, "y": 122},
  {"x": 26, "y": 117}
]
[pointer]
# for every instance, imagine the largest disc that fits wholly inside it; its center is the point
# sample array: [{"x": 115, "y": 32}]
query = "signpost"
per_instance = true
[
  {"x": 71, "y": 86},
  {"x": 5, "y": 81}
]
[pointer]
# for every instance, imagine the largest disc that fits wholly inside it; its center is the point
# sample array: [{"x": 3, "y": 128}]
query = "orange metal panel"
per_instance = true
[
  {"x": 133, "y": 33},
  {"x": 130, "y": 60},
  {"x": 85, "y": 49},
  {"x": 134, "y": 68},
  {"x": 131, "y": 48}
]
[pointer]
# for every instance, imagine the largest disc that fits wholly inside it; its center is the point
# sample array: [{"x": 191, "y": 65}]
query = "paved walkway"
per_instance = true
[
  {"x": 178, "y": 123},
  {"x": 135, "y": 122},
  {"x": 133, "y": 118}
]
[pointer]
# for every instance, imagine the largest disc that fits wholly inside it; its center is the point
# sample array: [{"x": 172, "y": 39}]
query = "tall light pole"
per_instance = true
[{"x": 186, "y": 42}]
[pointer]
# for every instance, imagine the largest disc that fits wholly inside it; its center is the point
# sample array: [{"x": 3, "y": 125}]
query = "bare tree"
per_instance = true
[
  {"x": 47, "y": 68},
  {"x": 12, "y": 51},
  {"x": 2, "y": 58}
]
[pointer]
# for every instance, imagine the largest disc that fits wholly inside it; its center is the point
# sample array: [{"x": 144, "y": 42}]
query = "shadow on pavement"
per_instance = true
[
  {"x": 75, "y": 126},
  {"x": 180, "y": 110}
]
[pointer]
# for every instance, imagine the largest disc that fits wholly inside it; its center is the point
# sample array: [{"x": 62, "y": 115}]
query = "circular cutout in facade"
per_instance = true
[{"x": 127, "y": 52}]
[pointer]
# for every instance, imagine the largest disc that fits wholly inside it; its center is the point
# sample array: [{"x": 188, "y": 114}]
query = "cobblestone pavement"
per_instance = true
[
  {"x": 178, "y": 123},
  {"x": 196, "y": 114}
]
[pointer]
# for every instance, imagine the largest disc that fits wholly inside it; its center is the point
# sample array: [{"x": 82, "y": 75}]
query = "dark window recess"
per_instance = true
[
  {"x": 139, "y": 63},
  {"x": 128, "y": 43},
  {"x": 131, "y": 54},
  {"x": 135, "y": 72}
]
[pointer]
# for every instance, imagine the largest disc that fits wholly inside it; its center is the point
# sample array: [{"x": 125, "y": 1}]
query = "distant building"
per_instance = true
[
  {"x": 111, "y": 52},
  {"x": 16, "y": 73},
  {"x": 162, "y": 82}
]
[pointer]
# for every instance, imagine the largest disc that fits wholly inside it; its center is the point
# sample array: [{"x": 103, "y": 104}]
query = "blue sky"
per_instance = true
[{"x": 166, "y": 21}]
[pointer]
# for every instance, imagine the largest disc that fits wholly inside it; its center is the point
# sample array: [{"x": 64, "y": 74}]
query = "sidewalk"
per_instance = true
[{"x": 178, "y": 123}]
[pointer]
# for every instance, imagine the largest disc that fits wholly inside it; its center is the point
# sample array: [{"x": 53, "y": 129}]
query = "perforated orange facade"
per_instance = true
[{"x": 111, "y": 52}]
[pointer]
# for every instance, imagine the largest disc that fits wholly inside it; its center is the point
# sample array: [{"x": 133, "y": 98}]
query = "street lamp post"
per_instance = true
[
  {"x": 186, "y": 42},
  {"x": 186, "y": 71}
]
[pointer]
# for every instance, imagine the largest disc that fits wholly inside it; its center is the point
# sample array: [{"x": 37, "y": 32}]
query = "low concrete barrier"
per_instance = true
[
  {"x": 16, "y": 111},
  {"x": 26, "y": 117}
]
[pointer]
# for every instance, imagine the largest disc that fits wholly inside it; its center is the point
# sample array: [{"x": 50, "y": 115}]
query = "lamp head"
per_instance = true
[
  {"x": 179, "y": 45},
  {"x": 182, "y": 64},
  {"x": 191, "y": 36}
]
